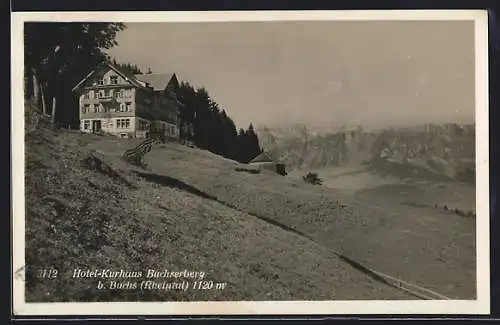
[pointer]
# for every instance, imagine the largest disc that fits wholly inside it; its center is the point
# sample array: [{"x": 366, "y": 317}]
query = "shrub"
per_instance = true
[
  {"x": 251, "y": 171},
  {"x": 312, "y": 178}
]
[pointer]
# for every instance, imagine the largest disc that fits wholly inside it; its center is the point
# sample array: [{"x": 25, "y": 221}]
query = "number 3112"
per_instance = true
[{"x": 47, "y": 273}]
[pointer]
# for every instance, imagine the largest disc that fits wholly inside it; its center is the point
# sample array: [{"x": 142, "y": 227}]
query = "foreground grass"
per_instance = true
[{"x": 104, "y": 214}]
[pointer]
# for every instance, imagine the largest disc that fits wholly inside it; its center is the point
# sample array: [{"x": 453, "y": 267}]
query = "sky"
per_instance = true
[{"x": 318, "y": 73}]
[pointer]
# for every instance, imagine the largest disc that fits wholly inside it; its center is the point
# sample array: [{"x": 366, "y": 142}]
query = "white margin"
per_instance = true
[{"x": 479, "y": 306}]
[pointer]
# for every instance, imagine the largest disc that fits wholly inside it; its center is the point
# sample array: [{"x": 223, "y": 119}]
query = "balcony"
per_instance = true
[
  {"x": 108, "y": 99},
  {"x": 105, "y": 115},
  {"x": 105, "y": 99},
  {"x": 124, "y": 98}
]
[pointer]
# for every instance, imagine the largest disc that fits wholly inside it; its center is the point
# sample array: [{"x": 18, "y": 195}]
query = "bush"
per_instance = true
[
  {"x": 312, "y": 178},
  {"x": 251, "y": 171}
]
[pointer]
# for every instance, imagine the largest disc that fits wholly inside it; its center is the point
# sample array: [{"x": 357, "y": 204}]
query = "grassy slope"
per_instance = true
[
  {"x": 430, "y": 249},
  {"x": 378, "y": 188},
  {"x": 424, "y": 247},
  {"x": 82, "y": 218}
]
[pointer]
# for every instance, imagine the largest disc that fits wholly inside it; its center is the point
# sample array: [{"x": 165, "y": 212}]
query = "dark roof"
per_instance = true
[
  {"x": 130, "y": 78},
  {"x": 263, "y": 157},
  {"x": 158, "y": 81}
]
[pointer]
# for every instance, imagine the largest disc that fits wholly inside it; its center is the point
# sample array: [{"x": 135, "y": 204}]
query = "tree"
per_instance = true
[
  {"x": 57, "y": 55},
  {"x": 248, "y": 144},
  {"x": 127, "y": 67},
  {"x": 229, "y": 136},
  {"x": 214, "y": 130},
  {"x": 242, "y": 146},
  {"x": 253, "y": 143},
  {"x": 186, "y": 95},
  {"x": 202, "y": 121}
]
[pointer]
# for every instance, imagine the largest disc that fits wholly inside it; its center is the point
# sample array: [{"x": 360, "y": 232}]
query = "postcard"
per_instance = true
[{"x": 253, "y": 162}]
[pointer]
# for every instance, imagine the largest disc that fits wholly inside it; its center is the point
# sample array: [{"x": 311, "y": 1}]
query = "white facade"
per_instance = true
[
  {"x": 113, "y": 103},
  {"x": 126, "y": 127}
]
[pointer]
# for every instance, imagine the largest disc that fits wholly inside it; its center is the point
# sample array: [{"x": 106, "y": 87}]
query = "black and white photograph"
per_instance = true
[{"x": 241, "y": 163}]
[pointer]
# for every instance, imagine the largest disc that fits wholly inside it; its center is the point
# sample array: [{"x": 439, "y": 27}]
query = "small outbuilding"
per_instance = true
[{"x": 264, "y": 160}]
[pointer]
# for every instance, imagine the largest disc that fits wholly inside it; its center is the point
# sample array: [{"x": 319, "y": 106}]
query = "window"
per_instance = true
[
  {"x": 91, "y": 94},
  {"x": 143, "y": 125},
  {"x": 85, "y": 108},
  {"x": 86, "y": 125},
  {"x": 123, "y": 123},
  {"x": 125, "y": 107},
  {"x": 99, "y": 108},
  {"x": 114, "y": 80},
  {"x": 124, "y": 93},
  {"x": 100, "y": 81}
]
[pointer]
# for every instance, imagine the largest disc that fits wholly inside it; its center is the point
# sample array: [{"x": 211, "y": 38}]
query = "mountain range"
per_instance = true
[{"x": 443, "y": 149}]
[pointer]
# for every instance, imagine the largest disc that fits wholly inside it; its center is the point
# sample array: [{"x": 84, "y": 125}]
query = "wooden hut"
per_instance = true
[{"x": 265, "y": 161}]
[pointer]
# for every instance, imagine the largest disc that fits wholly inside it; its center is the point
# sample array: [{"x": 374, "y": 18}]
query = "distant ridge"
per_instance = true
[{"x": 447, "y": 149}]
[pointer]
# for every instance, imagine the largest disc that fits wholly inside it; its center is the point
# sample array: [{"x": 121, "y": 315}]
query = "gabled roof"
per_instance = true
[
  {"x": 158, "y": 81},
  {"x": 128, "y": 77},
  {"x": 263, "y": 157}
]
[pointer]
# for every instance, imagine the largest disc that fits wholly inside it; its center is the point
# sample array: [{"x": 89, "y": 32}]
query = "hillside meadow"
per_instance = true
[{"x": 267, "y": 237}]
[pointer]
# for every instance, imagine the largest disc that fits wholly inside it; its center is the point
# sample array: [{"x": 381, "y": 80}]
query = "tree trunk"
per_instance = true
[
  {"x": 28, "y": 83},
  {"x": 36, "y": 89},
  {"x": 53, "y": 118},
  {"x": 44, "y": 103}
]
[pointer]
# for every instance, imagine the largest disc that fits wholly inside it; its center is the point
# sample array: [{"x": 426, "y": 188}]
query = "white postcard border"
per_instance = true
[{"x": 479, "y": 306}]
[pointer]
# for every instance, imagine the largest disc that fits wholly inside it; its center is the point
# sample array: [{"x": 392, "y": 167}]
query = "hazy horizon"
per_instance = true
[{"x": 317, "y": 73}]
